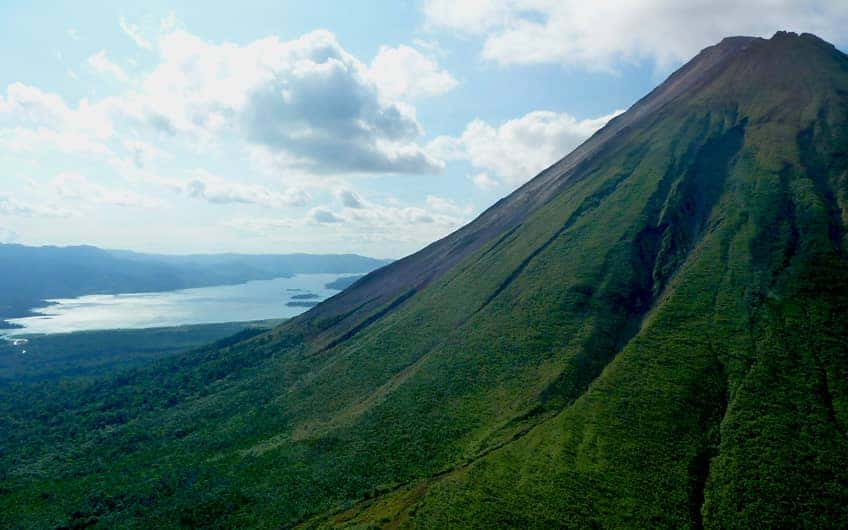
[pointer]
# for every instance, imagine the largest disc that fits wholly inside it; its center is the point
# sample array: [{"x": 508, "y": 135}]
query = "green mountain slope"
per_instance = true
[{"x": 651, "y": 333}]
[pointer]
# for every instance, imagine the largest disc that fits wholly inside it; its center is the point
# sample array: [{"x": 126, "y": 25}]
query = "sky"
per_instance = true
[{"x": 372, "y": 127}]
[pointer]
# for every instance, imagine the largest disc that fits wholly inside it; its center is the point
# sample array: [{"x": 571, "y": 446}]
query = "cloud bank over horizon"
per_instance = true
[
  {"x": 306, "y": 117},
  {"x": 599, "y": 35}
]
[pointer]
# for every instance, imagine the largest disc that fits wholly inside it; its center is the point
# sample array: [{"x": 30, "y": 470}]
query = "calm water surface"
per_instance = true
[{"x": 256, "y": 300}]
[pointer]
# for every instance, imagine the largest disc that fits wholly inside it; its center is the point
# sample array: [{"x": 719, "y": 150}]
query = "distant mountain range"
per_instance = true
[{"x": 28, "y": 275}]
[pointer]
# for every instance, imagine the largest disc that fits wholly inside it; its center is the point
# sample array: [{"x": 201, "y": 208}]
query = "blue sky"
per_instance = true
[{"x": 372, "y": 127}]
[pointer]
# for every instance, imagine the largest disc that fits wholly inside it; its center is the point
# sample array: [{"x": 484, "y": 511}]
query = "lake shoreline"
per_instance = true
[
  {"x": 262, "y": 323},
  {"x": 254, "y": 300}
]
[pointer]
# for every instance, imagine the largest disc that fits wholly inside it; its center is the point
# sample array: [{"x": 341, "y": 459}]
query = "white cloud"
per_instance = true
[
  {"x": 78, "y": 187},
  {"x": 323, "y": 216},
  {"x": 447, "y": 206},
  {"x": 468, "y": 16},
  {"x": 42, "y": 139},
  {"x": 31, "y": 106},
  {"x": 307, "y": 102},
  {"x": 600, "y": 33},
  {"x": 168, "y": 23},
  {"x": 100, "y": 63},
  {"x": 430, "y": 46},
  {"x": 73, "y": 33},
  {"x": 133, "y": 32},
  {"x": 217, "y": 190},
  {"x": 305, "y": 113},
  {"x": 33, "y": 120},
  {"x": 304, "y": 106},
  {"x": 7, "y": 235},
  {"x": 350, "y": 199},
  {"x": 404, "y": 72},
  {"x": 16, "y": 208},
  {"x": 437, "y": 216},
  {"x": 484, "y": 181},
  {"x": 143, "y": 154},
  {"x": 518, "y": 149},
  {"x": 363, "y": 222}
]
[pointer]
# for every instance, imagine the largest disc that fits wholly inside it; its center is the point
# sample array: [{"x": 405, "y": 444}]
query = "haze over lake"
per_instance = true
[{"x": 255, "y": 300}]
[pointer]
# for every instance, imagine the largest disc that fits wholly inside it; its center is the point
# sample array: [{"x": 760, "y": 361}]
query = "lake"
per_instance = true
[{"x": 255, "y": 300}]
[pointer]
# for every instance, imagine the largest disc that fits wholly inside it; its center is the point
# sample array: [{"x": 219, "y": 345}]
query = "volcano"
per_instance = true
[{"x": 653, "y": 332}]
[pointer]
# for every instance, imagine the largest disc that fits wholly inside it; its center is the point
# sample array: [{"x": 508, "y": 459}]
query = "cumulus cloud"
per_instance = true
[
  {"x": 75, "y": 186},
  {"x": 446, "y": 206},
  {"x": 469, "y": 16},
  {"x": 14, "y": 207},
  {"x": 168, "y": 23},
  {"x": 323, "y": 216},
  {"x": 8, "y": 236},
  {"x": 484, "y": 181},
  {"x": 435, "y": 218},
  {"x": 34, "y": 121},
  {"x": 598, "y": 34},
  {"x": 142, "y": 154},
  {"x": 404, "y": 72},
  {"x": 304, "y": 113},
  {"x": 31, "y": 107},
  {"x": 134, "y": 32},
  {"x": 518, "y": 149},
  {"x": 350, "y": 199},
  {"x": 306, "y": 105},
  {"x": 364, "y": 222},
  {"x": 214, "y": 189},
  {"x": 307, "y": 102},
  {"x": 100, "y": 63},
  {"x": 41, "y": 140}
]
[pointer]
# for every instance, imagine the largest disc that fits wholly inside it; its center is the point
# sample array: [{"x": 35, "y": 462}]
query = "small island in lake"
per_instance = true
[
  {"x": 309, "y": 303},
  {"x": 305, "y": 296}
]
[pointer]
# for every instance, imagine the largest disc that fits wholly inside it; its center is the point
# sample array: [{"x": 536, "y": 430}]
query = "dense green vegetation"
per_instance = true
[
  {"x": 97, "y": 353},
  {"x": 661, "y": 344}
]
